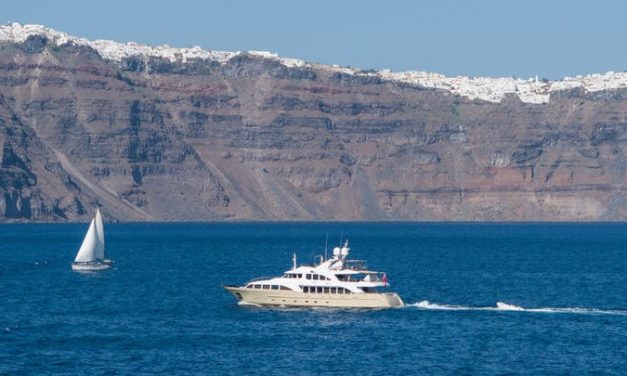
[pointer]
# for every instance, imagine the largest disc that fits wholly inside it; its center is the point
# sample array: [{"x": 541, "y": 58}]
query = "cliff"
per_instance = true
[{"x": 160, "y": 133}]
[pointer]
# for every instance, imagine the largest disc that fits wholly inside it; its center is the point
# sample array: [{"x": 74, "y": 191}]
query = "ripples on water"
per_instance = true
[{"x": 481, "y": 299}]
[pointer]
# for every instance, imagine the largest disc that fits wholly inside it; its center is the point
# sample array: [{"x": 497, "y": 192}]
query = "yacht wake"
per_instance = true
[{"x": 500, "y": 306}]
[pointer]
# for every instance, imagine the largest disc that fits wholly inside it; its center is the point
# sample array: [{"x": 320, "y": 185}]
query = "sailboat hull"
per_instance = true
[{"x": 90, "y": 266}]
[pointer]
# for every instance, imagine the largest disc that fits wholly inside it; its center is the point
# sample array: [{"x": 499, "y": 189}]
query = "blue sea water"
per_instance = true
[{"x": 482, "y": 299}]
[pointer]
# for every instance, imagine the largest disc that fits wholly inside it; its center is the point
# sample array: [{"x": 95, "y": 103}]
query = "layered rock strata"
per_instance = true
[{"x": 156, "y": 133}]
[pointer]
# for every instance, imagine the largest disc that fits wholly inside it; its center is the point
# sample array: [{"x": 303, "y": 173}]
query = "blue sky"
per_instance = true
[{"x": 478, "y": 38}]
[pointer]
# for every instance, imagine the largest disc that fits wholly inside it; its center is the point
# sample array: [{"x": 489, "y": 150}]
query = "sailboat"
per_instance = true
[{"x": 91, "y": 255}]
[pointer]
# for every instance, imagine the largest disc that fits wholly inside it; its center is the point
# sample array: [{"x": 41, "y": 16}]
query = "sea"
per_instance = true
[{"x": 481, "y": 299}]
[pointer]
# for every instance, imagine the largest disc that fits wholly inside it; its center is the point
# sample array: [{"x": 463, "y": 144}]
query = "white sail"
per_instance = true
[
  {"x": 100, "y": 244},
  {"x": 88, "y": 249}
]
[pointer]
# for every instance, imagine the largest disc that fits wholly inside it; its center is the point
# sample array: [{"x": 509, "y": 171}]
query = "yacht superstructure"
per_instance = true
[{"x": 335, "y": 282}]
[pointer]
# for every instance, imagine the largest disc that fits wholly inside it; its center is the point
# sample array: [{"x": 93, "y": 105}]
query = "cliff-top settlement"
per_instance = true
[{"x": 162, "y": 133}]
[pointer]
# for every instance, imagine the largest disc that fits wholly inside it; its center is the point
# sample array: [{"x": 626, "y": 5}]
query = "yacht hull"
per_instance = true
[
  {"x": 282, "y": 298},
  {"x": 90, "y": 267}
]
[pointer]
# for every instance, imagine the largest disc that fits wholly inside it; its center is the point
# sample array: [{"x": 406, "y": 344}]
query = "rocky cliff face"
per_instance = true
[{"x": 251, "y": 136}]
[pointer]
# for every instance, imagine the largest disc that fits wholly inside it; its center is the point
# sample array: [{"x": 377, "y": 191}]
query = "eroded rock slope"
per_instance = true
[{"x": 251, "y": 136}]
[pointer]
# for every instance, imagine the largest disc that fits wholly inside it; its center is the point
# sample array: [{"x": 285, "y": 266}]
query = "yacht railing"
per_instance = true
[{"x": 355, "y": 265}]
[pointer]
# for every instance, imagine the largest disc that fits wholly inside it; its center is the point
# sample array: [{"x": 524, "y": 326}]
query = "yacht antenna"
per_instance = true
[
  {"x": 326, "y": 246},
  {"x": 294, "y": 261}
]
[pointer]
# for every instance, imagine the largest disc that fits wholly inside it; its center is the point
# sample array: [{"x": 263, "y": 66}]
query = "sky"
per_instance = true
[{"x": 497, "y": 38}]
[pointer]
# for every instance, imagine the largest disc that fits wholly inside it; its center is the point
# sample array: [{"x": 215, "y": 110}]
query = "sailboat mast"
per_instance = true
[{"x": 100, "y": 242}]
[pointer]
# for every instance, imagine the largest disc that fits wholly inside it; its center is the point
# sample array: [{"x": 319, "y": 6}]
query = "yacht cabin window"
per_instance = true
[{"x": 323, "y": 290}]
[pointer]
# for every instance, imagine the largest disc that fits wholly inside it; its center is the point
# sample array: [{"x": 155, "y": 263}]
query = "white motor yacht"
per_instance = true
[{"x": 335, "y": 283}]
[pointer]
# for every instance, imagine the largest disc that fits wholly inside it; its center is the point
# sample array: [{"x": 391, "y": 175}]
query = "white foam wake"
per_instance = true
[{"x": 500, "y": 306}]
